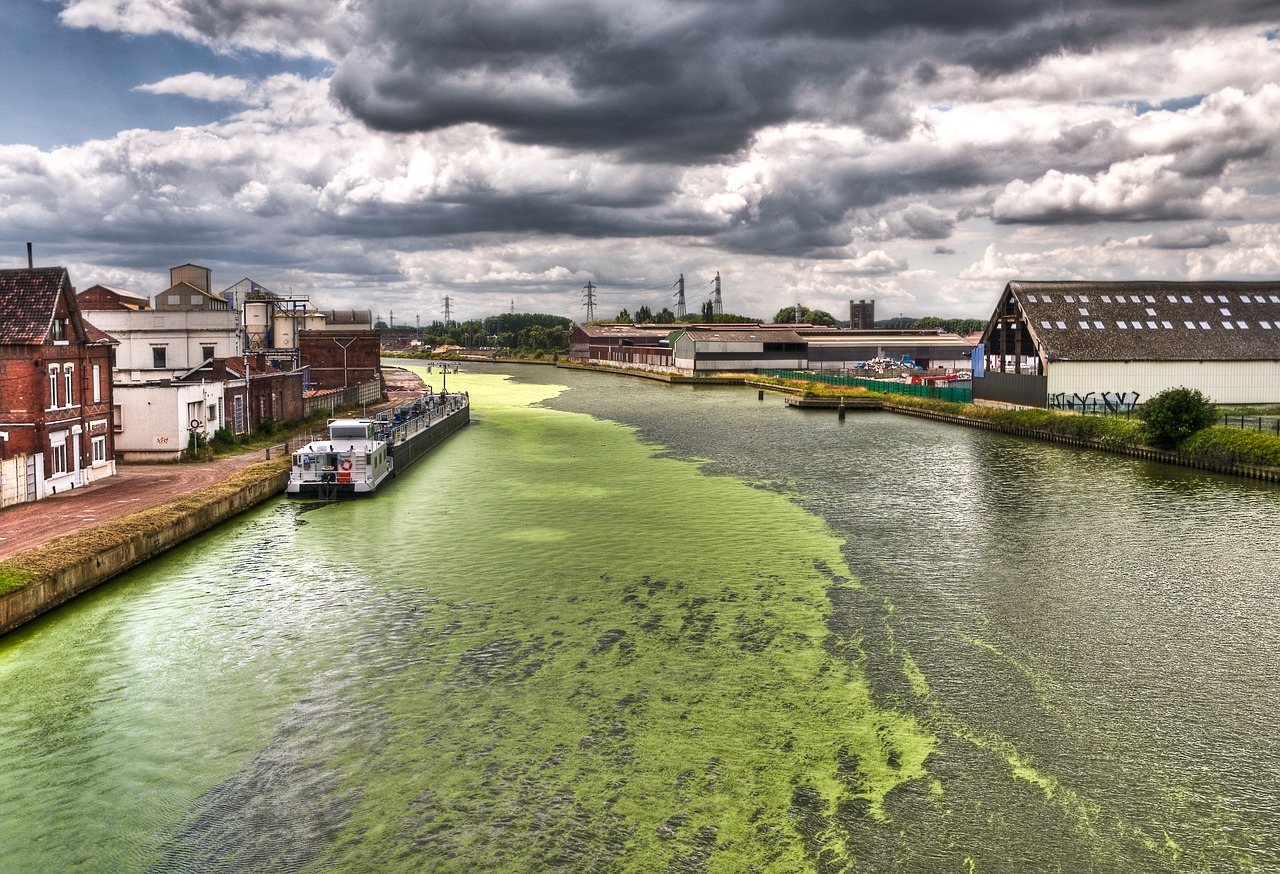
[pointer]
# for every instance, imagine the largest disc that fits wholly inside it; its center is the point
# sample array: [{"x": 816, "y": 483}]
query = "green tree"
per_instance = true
[
  {"x": 1174, "y": 414},
  {"x": 665, "y": 317},
  {"x": 624, "y": 317},
  {"x": 787, "y": 315},
  {"x": 644, "y": 315},
  {"x": 708, "y": 311}
]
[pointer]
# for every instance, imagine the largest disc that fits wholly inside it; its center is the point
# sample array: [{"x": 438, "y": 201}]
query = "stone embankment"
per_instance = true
[{"x": 64, "y": 568}]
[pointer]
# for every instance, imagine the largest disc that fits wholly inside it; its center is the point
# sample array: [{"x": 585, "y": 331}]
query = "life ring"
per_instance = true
[
  {"x": 195, "y": 423},
  {"x": 345, "y": 464}
]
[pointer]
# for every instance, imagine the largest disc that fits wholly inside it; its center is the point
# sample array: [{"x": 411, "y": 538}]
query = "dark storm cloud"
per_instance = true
[{"x": 692, "y": 81}]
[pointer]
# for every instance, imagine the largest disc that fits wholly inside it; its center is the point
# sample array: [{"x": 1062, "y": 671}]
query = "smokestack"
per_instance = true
[{"x": 31, "y": 265}]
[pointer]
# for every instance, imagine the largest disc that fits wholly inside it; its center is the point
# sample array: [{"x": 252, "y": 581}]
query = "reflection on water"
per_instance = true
[{"x": 726, "y": 636}]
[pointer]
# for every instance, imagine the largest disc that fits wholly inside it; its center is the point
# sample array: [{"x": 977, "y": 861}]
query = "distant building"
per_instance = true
[
  {"x": 1060, "y": 343},
  {"x": 862, "y": 315},
  {"x": 102, "y": 297},
  {"x": 55, "y": 388}
]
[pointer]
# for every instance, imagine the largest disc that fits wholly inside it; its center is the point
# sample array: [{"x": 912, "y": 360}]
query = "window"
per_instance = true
[
  {"x": 1244, "y": 298},
  {"x": 1208, "y": 298},
  {"x": 1084, "y": 311},
  {"x": 68, "y": 371},
  {"x": 53, "y": 386},
  {"x": 1168, "y": 326},
  {"x": 1084, "y": 324},
  {"x": 1228, "y": 326},
  {"x": 1149, "y": 298},
  {"x": 1186, "y": 298},
  {"x": 1031, "y": 298},
  {"x": 195, "y": 300},
  {"x": 206, "y": 352},
  {"x": 1122, "y": 325},
  {"x": 1244, "y": 326},
  {"x": 1106, "y": 298},
  {"x": 1150, "y": 311},
  {"x": 97, "y": 383},
  {"x": 213, "y": 414},
  {"x": 1045, "y": 324},
  {"x": 1204, "y": 325},
  {"x": 1224, "y": 311},
  {"x": 158, "y": 357},
  {"x": 1173, "y": 298},
  {"x": 1137, "y": 326},
  {"x": 59, "y": 447},
  {"x": 1068, "y": 298},
  {"x": 59, "y": 330},
  {"x": 1099, "y": 325},
  {"x": 1191, "y": 325},
  {"x": 175, "y": 299},
  {"x": 1044, "y": 298},
  {"x": 1222, "y": 298},
  {"x": 1062, "y": 326},
  {"x": 1266, "y": 326},
  {"x": 1151, "y": 325},
  {"x": 99, "y": 449}
]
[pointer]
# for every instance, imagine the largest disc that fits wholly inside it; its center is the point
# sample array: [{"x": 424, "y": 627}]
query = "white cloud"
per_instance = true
[{"x": 201, "y": 86}]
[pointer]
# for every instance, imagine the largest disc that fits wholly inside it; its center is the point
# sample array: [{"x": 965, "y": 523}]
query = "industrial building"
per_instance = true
[{"x": 1060, "y": 344}]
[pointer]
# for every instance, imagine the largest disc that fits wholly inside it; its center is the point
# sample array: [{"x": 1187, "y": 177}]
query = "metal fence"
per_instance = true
[
  {"x": 956, "y": 394},
  {"x": 1270, "y": 424}
]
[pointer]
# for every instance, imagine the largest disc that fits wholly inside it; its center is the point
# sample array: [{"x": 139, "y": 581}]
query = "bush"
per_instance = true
[
  {"x": 1175, "y": 414},
  {"x": 1231, "y": 445}
]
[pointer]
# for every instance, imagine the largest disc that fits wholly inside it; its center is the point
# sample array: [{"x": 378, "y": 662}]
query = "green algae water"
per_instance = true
[{"x": 620, "y": 626}]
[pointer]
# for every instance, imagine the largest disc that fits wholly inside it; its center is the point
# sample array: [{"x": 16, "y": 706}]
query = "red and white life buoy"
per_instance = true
[{"x": 345, "y": 464}]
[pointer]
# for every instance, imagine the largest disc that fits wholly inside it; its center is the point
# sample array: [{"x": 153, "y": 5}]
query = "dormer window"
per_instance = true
[{"x": 59, "y": 330}]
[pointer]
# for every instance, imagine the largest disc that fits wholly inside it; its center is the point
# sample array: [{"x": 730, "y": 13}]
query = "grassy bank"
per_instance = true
[{"x": 42, "y": 562}]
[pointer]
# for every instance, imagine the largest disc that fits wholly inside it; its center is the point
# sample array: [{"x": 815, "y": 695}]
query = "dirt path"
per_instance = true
[{"x": 134, "y": 487}]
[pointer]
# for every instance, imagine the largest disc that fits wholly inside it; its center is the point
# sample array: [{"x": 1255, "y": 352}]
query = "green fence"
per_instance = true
[{"x": 948, "y": 392}]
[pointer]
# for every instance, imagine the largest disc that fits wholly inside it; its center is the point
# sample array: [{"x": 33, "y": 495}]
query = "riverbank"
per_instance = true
[
  {"x": 37, "y": 580},
  {"x": 824, "y": 397}
]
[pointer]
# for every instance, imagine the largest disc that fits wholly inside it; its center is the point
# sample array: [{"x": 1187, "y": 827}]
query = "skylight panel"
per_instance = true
[
  {"x": 1084, "y": 298},
  {"x": 1208, "y": 298},
  {"x": 1106, "y": 298},
  {"x": 1044, "y": 323},
  {"x": 1257, "y": 298},
  {"x": 1168, "y": 326},
  {"x": 1084, "y": 324},
  {"x": 1031, "y": 298},
  {"x": 1137, "y": 326},
  {"x": 1151, "y": 325},
  {"x": 1099, "y": 325},
  {"x": 1228, "y": 326},
  {"x": 1244, "y": 298},
  {"x": 1273, "y": 298},
  {"x": 1204, "y": 325},
  {"x": 1122, "y": 325},
  {"x": 1191, "y": 325},
  {"x": 1266, "y": 326},
  {"x": 1173, "y": 298},
  {"x": 1044, "y": 298},
  {"x": 1224, "y": 311},
  {"x": 1244, "y": 326},
  {"x": 1084, "y": 311},
  {"x": 1062, "y": 326},
  {"x": 1186, "y": 298},
  {"x": 1222, "y": 298},
  {"x": 1150, "y": 311},
  {"x": 1150, "y": 299},
  {"x": 1068, "y": 298}
]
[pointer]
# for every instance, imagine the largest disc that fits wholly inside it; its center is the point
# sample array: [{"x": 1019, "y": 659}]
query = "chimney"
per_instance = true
[{"x": 31, "y": 264}]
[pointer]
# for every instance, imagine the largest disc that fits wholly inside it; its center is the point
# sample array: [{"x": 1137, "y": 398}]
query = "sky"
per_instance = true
[{"x": 501, "y": 155}]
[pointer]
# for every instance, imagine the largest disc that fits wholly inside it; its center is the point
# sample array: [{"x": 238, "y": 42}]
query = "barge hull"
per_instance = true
[{"x": 419, "y": 444}]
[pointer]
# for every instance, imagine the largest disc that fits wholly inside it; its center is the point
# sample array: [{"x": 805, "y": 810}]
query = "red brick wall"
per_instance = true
[{"x": 322, "y": 351}]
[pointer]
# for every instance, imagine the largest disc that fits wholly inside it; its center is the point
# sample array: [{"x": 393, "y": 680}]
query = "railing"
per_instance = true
[
  {"x": 1252, "y": 423},
  {"x": 929, "y": 389}
]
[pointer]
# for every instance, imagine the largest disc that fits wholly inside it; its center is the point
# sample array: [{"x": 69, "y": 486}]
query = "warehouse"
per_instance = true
[{"x": 1063, "y": 344}]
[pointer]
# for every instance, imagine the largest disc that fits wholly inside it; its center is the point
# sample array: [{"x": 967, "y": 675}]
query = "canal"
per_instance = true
[{"x": 620, "y": 626}]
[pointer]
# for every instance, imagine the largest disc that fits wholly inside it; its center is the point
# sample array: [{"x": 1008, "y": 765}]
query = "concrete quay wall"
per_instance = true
[{"x": 68, "y": 569}]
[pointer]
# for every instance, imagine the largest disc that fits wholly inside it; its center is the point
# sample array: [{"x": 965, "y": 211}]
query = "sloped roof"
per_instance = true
[
  {"x": 746, "y": 335},
  {"x": 95, "y": 335},
  {"x": 187, "y": 287},
  {"x": 28, "y": 301},
  {"x": 1152, "y": 321}
]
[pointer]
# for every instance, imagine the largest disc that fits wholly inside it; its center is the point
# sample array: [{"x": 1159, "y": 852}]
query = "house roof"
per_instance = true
[
  {"x": 95, "y": 335},
  {"x": 744, "y": 334},
  {"x": 28, "y": 301},
  {"x": 1152, "y": 321}
]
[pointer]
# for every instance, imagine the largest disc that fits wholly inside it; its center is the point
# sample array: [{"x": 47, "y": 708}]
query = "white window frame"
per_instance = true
[
  {"x": 53, "y": 386},
  {"x": 97, "y": 383},
  {"x": 99, "y": 449},
  {"x": 68, "y": 380},
  {"x": 58, "y": 449}
]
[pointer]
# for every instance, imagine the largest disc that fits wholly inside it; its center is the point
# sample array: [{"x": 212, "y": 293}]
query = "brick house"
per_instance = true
[
  {"x": 341, "y": 356},
  {"x": 55, "y": 387}
]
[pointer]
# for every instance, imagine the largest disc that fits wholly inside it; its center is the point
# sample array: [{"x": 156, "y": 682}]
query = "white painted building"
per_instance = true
[{"x": 158, "y": 419}]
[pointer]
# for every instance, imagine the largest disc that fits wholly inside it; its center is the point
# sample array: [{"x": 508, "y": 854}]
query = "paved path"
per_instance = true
[{"x": 134, "y": 487}]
